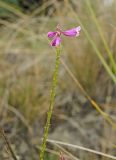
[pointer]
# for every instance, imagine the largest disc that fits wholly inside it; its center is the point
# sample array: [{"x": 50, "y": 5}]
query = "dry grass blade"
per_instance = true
[
  {"x": 98, "y": 53},
  {"x": 67, "y": 152},
  {"x": 11, "y": 8},
  {"x": 102, "y": 36},
  {"x": 81, "y": 148},
  {"x": 94, "y": 104},
  {"x": 8, "y": 144},
  {"x": 20, "y": 116}
]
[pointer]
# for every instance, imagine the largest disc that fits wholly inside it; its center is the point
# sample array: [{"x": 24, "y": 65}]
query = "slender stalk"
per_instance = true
[
  {"x": 8, "y": 144},
  {"x": 81, "y": 148},
  {"x": 99, "y": 54},
  {"x": 52, "y": 98},
  {"x": 102, "y": 37},
  {"x": 94, "y": 104}
]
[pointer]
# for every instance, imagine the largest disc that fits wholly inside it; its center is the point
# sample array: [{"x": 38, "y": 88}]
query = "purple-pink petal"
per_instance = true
[
  {"x": 72, "y": 32},
  {"x": 56, "y": 41},
  {"x": 78, "y": 28},
  {"x": 51, "y": 34}
]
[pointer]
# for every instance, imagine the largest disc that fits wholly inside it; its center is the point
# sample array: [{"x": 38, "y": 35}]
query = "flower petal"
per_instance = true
[
  {"x": 51, "y": 34},
  {"x": 72, "y": 32},
  {"x": 78, "y": 28},
  {"x": 56, "y": 41}
]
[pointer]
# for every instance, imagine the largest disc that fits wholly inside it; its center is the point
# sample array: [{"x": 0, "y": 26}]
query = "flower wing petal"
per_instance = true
[
  {"x": 72, "y": 32},
  {"x": 78, "y": 29},
  {"x": 51, "y": 34},
  {"x": 56, "y": 41}
]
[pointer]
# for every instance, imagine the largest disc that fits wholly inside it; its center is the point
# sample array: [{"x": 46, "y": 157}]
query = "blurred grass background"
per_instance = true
[{"x": 26, "y": 70}]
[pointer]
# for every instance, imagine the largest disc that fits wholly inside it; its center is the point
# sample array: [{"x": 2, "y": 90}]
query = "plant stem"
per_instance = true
[
  {"x": 52, "y": 98},
  {"x": 8, "y": 144},
  {"x": 102, "y": 37},
  {"x": 94, "y": 104},
  {"x": 98, "y": 53}
]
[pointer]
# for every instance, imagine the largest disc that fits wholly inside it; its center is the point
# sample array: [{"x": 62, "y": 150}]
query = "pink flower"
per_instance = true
[{"x": 56, "y": 36}]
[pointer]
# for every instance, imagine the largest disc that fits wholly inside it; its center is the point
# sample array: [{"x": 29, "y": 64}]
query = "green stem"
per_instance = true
[
  {"x": 102, "y": 37},
  {"x": 52, "y": 98},
  {"x": 99, "y": 54}
]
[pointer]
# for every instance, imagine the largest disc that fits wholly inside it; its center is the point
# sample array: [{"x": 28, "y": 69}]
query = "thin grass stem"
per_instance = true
[
  {"x": 94, "y": 104},
  {"x": 98, "y": 53},
  {"x": 102, "y": 37},
  {"x": 81, "y": 148},
  {"x": 8, "y": 145}
]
